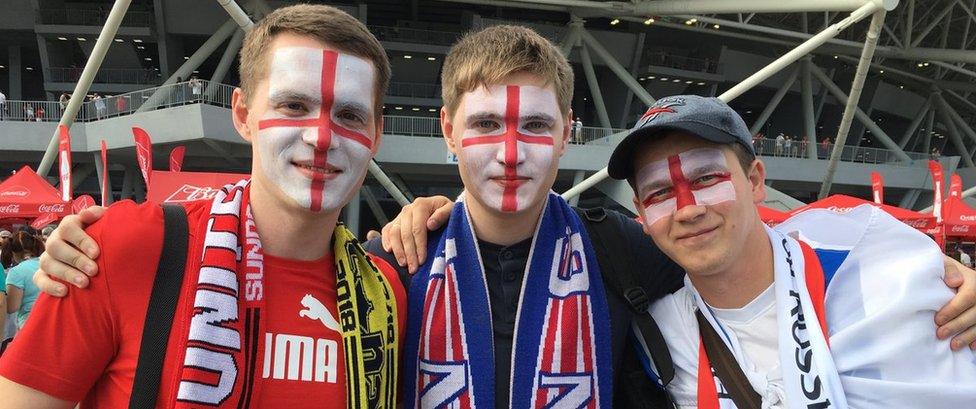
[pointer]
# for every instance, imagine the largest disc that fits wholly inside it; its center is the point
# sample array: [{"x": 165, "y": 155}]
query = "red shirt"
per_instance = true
[{"x": 85, "y": 347}]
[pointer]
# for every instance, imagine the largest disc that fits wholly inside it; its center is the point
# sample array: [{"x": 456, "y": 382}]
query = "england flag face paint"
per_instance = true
[
  {"x": 698, "y": 177},
  {"x": 508, "y": 143},
  {"x": 318, "y": 132}
]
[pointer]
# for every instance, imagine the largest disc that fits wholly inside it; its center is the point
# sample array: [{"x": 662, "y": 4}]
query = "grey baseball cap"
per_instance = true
[
  {"x": 5, "y": 233},
  {"x": 708, "y": 118}
]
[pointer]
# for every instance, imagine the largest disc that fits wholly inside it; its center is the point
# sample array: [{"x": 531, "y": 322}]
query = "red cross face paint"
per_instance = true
[
  {"x": 698, "y": 177},
  {"x": 507, "y": 143},
  {"x": 316, "y": 137}
]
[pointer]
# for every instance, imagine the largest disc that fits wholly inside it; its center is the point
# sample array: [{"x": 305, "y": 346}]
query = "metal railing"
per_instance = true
[
  {"x": 92, "y": 17},
  {"x": 108, "y": 75},
  {"x": 664, "y": 59},
  {"x": 183, "y": 93},
  {"x": 414, "y": 35},
  {"x": 856, "y": 154},
  {"x": 414, "y": 89}
]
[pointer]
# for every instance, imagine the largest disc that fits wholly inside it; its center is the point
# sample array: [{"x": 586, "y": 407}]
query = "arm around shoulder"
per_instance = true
[{"x": 18, "y": 396}]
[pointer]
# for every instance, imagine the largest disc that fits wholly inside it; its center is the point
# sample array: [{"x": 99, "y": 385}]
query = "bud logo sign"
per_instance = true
[
  {"x": 181, "y": 187},
  {"x": 189, "y": 193}
]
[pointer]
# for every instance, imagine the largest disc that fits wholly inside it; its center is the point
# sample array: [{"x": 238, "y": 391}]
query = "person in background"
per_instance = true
[
  {"x": 28, "y": 112},
  {"x": 120, "y": 104},
  {"x": 46, "y": 232},
  {"x": 99, "y": 106},
  {"x": 21, "y": 291},
  {"x": 4, "y": 238},
  {"x": 964, "y": 257},
  {"x": 3, "y": 104},
  {"x": 63, "y": 101},
  {"x": 577, "y": 130},
  {"x": 39, "y": 116},
  {"x": 196, "y": 86},
  {"x": 778, "y": 149}
]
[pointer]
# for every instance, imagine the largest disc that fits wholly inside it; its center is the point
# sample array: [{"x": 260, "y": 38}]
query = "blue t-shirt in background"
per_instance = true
[{"x": 21, "y": 277}]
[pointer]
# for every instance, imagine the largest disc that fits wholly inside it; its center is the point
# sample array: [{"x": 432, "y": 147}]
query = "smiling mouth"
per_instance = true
[
  {"x": 697, "y": 233},
  {"x": 327, "y": 171},
  {"x": 511, "y": 181}
]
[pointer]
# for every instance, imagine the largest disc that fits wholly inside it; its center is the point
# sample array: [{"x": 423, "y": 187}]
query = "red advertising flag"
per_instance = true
[
  {"x": 81, "y": 203},
  {"x": 935, "y": 168},
  {"x": 143, "y": 152},
  {"x": 105, "y": 188},
  {"x": 43, "y": 220},
  {"x": 64, "y": 162},
  {"x": 877, "y": 187},
  {"x": 955, "y": 185},
  {"x": 176, "y": 158}
]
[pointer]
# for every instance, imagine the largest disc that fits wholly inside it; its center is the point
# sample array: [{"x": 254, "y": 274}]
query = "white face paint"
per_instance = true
[
  {"x": 699, "y": 177},
  {"x": 507, "y": 143},
  {"x": 315, "y": 138}
]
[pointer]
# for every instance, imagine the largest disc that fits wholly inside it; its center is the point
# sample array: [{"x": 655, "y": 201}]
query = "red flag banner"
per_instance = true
[
  {"x": 955, "y": 185},
  {"x": 43, "y": 220},
  {"x": 81, "y": 203},
  {"x": 105, "y": 187},
  {"x": 176, "y": 158},
  {"x": 143, "y": 152},
  {"x": 935, "y": 168},
  {"x": 64, "y": 162},
  {"x": 877, "y": 187}
]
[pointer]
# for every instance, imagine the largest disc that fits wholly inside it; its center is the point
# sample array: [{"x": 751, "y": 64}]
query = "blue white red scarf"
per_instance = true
[{"x": 560, "y": 356}]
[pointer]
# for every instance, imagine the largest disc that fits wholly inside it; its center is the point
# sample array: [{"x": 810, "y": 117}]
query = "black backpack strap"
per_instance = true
[
  {"x": 162, "y": 307},
  {"x": 611, "y": 250},
  {"x": 726, "y": 367}
]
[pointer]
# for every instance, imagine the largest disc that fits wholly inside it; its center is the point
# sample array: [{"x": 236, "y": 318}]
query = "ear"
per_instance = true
[
  {"x": 378, "y": 140},
  {"x": 757, "y": 181},
  {"x": 567, "y": 128},
  {"x": 239, "y": 111},
  {"x": 640, "y": 213},
  {"x": 447, "y": 128}
]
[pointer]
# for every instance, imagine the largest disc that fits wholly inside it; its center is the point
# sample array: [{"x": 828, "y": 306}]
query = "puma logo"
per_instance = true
[{"x": 315, "y": 310}]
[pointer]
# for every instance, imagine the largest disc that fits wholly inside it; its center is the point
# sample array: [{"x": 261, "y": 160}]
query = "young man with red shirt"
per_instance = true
[{"x": 278, "y": 303}]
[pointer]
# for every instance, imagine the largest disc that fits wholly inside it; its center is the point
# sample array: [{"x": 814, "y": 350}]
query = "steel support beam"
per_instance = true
[
  {"x": 105, "y": 39},
  {"x": 198, "y": 57},
  {"x": 225, "y": 62},
  {"x": 954, "y": 135},
  {"x": 909, "y": 22},
  {"x": 578, "y": 177},
  {"x": 916, "y": 121},
  {"x": 809, "y": 120},
  {"x": 957, "y": 119},
  {"x": 801, "y": 50},
  {"x": 572, "y": 36},
  {"x": 237, "y": 13},
  {"x": 767, "y": 112},
  {"x": 661, "y": 8},
  {"x": 615, "y": 66},
  {"x": 634, "y": 67},
  {"x": 374, "y": 205},
  {"x": 927, "y": 133},
  {"x": 851, "y": 104},
  {"x": 594, "y": 86},
  {"x": 377, "y": 172},
  {"x": 928, "y": 29}
]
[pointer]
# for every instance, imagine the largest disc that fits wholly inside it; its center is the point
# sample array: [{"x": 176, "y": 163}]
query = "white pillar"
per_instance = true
[
  {"x": 105, "y": 39},
  {"x": 601, "y": 108}
]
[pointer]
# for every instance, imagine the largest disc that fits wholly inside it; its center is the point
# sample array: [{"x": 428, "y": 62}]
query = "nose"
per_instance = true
[
  {"x": 510, "y": 153},
  {"x": 689, "y": 213},
  {"x": 319, "y": 137}
]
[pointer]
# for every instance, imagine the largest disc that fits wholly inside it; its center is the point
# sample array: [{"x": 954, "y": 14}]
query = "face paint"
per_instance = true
[
  {"x": 698, "y": 177},
  {"x": 507, "y": 143},
  {"x": 316, "y": 136}
]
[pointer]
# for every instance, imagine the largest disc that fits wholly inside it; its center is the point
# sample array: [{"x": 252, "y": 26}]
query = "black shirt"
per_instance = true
[{"x": 505, "y": 267}]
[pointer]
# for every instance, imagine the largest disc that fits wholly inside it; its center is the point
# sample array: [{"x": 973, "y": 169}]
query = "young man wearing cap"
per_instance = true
[
  {"x": 278, "y": 306},
  {"x": 827, "y": 310}
]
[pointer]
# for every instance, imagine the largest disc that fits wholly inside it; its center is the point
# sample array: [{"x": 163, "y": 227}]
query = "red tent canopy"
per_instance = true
[
  {"x": 843, "y": 203},
  {"x": 958, "y": 218},
  {"x": 177, "y": 187},
  {"x": 26, "y": 195},
  {"x": 771, "y": 216}
]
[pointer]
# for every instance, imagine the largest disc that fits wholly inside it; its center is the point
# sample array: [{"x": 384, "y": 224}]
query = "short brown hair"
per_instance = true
[
  {"x": 483, "y": 58},
  {"x": 324, "y": 23}
]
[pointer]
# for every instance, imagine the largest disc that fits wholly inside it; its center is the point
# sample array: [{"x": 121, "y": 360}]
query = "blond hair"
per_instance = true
[
  {"x": 485, "y": 57},
  {"x": 324, "y": 23}
]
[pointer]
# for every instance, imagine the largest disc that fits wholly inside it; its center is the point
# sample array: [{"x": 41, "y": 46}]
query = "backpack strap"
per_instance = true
[
  {"x": 726, "y": 367},
  {"x": 162, "y": 307},
  {"x": 611, "y": 251}
]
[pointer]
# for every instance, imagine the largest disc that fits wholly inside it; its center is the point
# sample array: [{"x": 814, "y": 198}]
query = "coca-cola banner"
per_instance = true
[
  {"x": 935, "y": 168},
  {"x": 44, "y": 220},
  {"x": 64, "y": 162},
  {"x": 955, "y": 186},
  {"x": 176, "y": 158},
  {"x": 143, "y": 153},
  {"x": 178, "y": 187},
  {"x": 105, "y": 185},
  {"x": 877, "y": 187},
  {"x": 26, "y": 195}
]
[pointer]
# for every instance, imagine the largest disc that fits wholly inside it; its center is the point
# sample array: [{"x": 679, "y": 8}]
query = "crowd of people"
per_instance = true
[{"x": 506, "y": 297}]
